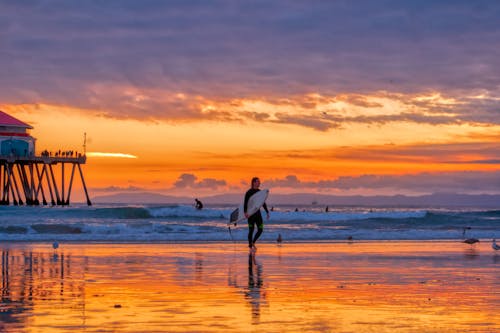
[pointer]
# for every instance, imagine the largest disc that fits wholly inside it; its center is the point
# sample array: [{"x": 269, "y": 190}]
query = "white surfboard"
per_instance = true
[{"x": 254, "y": 203}]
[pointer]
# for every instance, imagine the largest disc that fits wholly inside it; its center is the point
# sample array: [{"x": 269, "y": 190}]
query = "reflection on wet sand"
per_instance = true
[
  {"x": 471, "y": 253},
  {"x": 254, "y": 289},
  {"x": 29, "y": 278},
  {"x": 361, "y": 287},
  {"x": 255, "y": 293}
]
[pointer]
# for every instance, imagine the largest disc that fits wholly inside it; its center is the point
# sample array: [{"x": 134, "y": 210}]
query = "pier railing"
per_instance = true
[{"x": 36, "y": 177}]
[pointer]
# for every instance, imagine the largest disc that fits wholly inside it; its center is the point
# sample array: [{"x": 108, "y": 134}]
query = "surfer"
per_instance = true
[
  {"x": 198, "y": 204},
  {"x": 256, "y": 218}
]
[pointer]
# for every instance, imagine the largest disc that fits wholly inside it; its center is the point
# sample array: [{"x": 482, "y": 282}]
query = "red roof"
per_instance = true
[{"x": 7, "y": 120}]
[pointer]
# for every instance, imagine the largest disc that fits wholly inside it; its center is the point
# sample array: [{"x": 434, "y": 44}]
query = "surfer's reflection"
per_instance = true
[
  {"x": 255, "y": 293},
  {"x": 198, "y": 266},
  {"x": 254, "y": 290}
]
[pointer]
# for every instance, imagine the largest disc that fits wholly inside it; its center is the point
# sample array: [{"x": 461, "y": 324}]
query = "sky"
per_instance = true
[{"x": 197, "y": 97}]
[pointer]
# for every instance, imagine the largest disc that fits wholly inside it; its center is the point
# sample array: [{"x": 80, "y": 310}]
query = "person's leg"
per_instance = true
[
  {"x": 260, "y": 228},
  {"x": 257, "y": 235},
  {"x": 250, "y": 234}
]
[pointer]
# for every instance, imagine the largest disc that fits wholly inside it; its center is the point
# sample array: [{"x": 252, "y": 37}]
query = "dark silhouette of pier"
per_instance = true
[{"x": 32, "y": 180}]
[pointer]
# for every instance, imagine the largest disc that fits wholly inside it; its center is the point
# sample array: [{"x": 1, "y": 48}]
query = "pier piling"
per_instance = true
[{"x": 21, "y": 179}]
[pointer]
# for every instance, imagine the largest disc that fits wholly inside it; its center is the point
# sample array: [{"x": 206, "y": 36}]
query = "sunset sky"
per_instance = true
[{"x": 196, "y": 97}]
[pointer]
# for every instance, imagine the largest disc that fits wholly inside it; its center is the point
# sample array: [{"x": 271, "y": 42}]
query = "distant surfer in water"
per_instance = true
[
  {"x": 256, "y": 218},
  {"x": 198, "y": 204}
]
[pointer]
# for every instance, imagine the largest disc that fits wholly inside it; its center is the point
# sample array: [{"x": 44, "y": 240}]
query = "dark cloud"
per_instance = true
[
  {"x": 187, "y": 180},
  {"x": 358, "y": 100},
  {"x": 316, "y": 122},
  {"x": 92, "y": 53}
]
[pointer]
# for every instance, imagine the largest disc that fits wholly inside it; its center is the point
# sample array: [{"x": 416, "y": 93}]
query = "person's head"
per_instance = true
[{"x": 255, "y": 182}]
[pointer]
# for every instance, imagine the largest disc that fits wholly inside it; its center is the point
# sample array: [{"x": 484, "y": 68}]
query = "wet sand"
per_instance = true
[{"x": 219, "y": 287}]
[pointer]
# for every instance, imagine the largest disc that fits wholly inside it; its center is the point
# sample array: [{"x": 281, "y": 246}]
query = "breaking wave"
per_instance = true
[{"x": 170, "y": 223}]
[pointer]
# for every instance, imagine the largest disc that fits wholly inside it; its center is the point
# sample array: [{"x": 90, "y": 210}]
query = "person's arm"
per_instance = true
[{"x": 265, "y": 208}]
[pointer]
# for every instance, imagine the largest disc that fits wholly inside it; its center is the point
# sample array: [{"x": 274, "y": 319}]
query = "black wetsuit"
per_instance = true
[
  {"x": 255, "y": 219},
  {"x": 199, "y": 205}
]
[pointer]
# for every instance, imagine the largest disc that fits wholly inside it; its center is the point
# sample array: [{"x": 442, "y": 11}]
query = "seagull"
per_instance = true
[
  {"x": 495, "y": 246},
  {"x": 469, "y": 240},
  {"x": 55, "y": 245}
]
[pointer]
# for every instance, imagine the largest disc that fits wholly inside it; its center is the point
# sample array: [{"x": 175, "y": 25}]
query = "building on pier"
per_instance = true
[
  {"x": 14, "y": 137},
  {"x": 26, "y": 177}
]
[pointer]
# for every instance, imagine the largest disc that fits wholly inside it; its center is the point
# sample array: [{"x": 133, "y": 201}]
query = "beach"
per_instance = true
[{"x": 369, "y": 286}]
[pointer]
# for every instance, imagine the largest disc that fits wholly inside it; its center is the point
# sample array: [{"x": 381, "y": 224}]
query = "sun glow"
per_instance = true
[{"x": 116, "y": 155}]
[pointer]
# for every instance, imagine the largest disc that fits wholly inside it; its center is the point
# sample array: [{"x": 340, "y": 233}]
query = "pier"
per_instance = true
[
  {"x": 27, "y": 178},
  {"x": 39, "y": 180}
]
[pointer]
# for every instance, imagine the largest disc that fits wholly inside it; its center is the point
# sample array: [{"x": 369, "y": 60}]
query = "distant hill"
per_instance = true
[
  {"x": 141, "y": 197},
  {"x": 432, "y": 200}
]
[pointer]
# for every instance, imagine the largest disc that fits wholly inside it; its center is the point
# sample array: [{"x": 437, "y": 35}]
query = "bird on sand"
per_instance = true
[
  {"x": 494, "y": 245},
  {"x": 469, "y": 240},
  {"x": 55, "y": 245}
]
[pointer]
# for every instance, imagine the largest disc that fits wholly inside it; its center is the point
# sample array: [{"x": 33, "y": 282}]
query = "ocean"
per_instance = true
[{"x": 123, "y": 223}]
